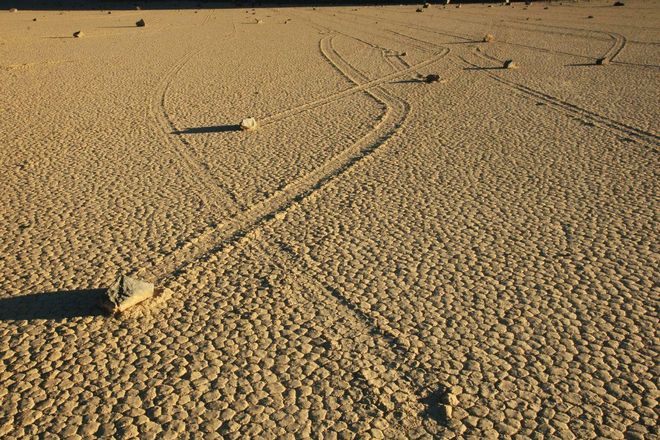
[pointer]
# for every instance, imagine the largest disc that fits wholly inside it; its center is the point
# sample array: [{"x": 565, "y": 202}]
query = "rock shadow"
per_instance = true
[
  {"x": 56, "y": 305},
  {"x": 210, "y": 129},
  {"x": 435, "y": 406}
]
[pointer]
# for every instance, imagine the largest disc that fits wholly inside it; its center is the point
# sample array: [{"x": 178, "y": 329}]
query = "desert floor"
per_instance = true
[{"x": 382, "y": 258}]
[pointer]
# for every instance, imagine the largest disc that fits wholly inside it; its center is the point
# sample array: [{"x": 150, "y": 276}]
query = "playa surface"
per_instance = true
[{"x": 382, "y": 258}]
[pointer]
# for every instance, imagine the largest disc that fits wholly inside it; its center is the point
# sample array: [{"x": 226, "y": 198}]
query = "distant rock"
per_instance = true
[
  {"x": 432, "y": 78},
  {"x": 78, "y": 34},
  {"x": 488, "y": 38},
  {"x": 140, "y": 23},
  {"x": 619, "y": 4},
  {"x": 249, "y": 124},
  {"x": 13, "y": 10},
  {"x": 34, "y": 19},
  {"x": 426, "y": 5},
  {"x": 258, "y": 21},
  {"x": 418, "y": 10},
  {"x": 509, "y": 64},
  {"x": 603, "y": 61}
]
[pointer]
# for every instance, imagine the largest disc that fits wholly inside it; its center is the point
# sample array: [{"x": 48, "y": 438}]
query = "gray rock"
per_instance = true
[{"x": 126, "y": 292}]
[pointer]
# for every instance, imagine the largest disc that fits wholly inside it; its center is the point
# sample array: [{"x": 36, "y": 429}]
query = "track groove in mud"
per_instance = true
[
  {"x": 197, "y": 167},
  {"x": 391, "y": 350},
  {"x": 214, "y": 238},
  {"x": 572, "y": 109},
  {"x": 602, "y": 121}
]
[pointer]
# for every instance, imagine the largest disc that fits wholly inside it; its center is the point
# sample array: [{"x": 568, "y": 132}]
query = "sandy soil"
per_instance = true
[{"x": 383, "y": 258}]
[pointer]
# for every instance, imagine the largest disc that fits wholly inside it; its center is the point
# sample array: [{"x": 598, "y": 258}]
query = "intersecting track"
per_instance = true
[
  {"x": 618, "y": 128},
  {"x": 216, "y": 237},
  {"x": 619, "y": 41}
]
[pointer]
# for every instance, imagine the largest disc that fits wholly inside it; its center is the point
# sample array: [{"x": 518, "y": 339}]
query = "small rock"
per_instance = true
[
  {"x": 432, "y": 78},
  {"x": 602, "y": 61},
  {"x": 126, "y": 292},
  {"x": 458, "y": 6},
  {"x": 13, "y": 10},
  {"x": 78, "y": 34},
  {"x": 419, "y": 10},
  {"x": 248, "y": 124},
  {"x": 403, "y": 54},
  {"x": 258, "y": 21},
  {"x": 109, "y": 12},
  {"x": 489, "y": 38},
  {"x": 137, "y": 8},
  {"x": 619, "y": 4},
  {"x": 34, "y": 19},
  {"x": 426, "y": 5},
  {"x": 140, "y": 23},
  {"x": 448, "y": 411},
  {"x": 509, "y": 64},
  {"x": 590, "y": 16}
]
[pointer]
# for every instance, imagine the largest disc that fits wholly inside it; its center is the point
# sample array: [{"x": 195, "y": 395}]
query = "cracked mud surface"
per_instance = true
[{"x": 382, "y": 258}]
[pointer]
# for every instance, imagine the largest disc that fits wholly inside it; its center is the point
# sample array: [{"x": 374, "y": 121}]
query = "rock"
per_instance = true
[
  {"x": 403, "y": 54},
  {"x": 590, "y": 16},
  {"x": 140, "y": 23},
  {"x": 426, "y": 5},
  {"x": 258, "y": 21},
  {"x": 418, "y": 10},
  {"x": 248, "y": 124},
  {"x": 619, "y": 4},
  {"x": 432, "y": 78},
  {"x": 34, "y": 19},
  {"x": 489, "y": 38},
  {"x": 509, "y": 64},
  {"x": 448, "y": 411},
  {"x": 126, "y": 292},
  {"x": 447, "y": 2},
  {"x": 13, "y": 10},
  {"x": 458, "y": 6},
  {"x": 137, "y": 8},
  {"x": 78, "y": 34},
  {"x": 602, "y": 61}
]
